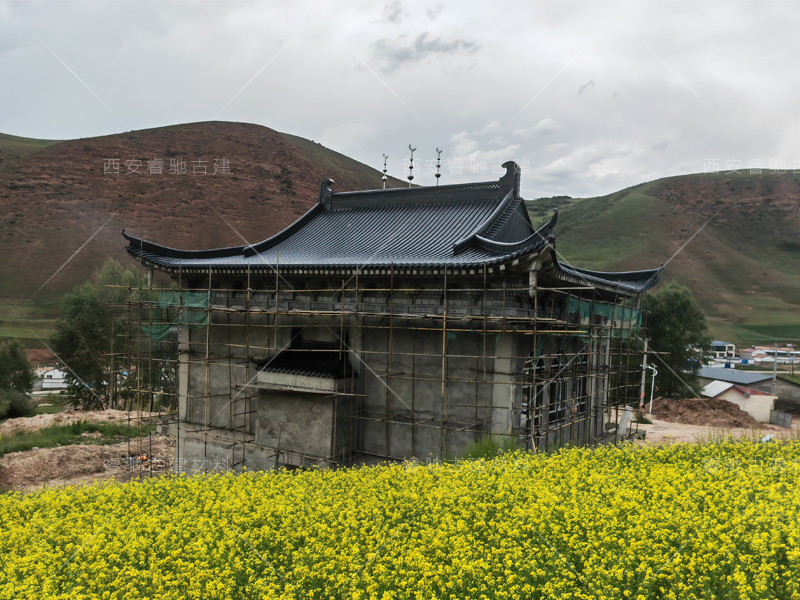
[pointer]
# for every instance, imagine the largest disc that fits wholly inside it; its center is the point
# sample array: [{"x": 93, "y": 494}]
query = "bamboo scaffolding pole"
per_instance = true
[
  {"x": 207, "y": 407},
  {"x": 443, "y": 437},
  {"x": 389, "y": 340}
]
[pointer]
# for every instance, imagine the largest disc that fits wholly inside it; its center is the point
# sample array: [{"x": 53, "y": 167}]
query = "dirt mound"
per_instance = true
[
  {"x": 79, "y": 463},
  {"x": 708, "y": 412},
  {"x": 13, "y": 426}
]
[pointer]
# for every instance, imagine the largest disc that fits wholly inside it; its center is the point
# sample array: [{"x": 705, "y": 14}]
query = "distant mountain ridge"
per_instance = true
[
  {"x": 55, "y": 195},
  {"x": 744, "y": 266}
]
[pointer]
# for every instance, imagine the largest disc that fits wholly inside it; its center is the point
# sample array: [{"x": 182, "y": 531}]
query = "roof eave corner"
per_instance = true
[
  {"x": 325, "y": 192},
  {"x": 511, "y": 180}
]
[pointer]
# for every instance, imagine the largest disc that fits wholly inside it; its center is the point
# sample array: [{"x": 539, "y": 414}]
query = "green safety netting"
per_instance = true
[
  {"x": 185, "y": 318},
  {"x": 630, "y": 318},
  {"x": 630, "y": 321},
  {"x": 451, "y": 335}
]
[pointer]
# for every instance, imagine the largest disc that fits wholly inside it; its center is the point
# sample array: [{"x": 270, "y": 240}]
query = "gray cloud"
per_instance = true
[
  {"x": 434, "y": 11},
  {"x": 544, "y": 127},
  {"x": 394, "y": 12},
  {"x": 467, "y": 74},
  {"x": 393, "y": 54}
]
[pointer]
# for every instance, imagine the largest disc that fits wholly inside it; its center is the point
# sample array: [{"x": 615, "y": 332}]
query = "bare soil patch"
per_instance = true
[
  {"x": 40, "y": 355},
  {"x": 670, "y": 432},
  {"x": 82, "y": 464},
  {"x": 34, "y": 423},
  {"x": 707, "y": 412}
]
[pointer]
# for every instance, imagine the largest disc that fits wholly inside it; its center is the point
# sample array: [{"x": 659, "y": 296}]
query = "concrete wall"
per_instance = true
[
  {"x": 301, "y": 426},
  {"x": 420, "y": 401},
  {"x": 756, "y": 406},
  {"x": 437, "y": 406}
]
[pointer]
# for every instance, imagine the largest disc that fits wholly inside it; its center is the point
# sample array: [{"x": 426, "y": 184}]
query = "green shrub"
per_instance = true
[
  {"x": 13, "y": 405},
  {"x": 488, "y": 447}
]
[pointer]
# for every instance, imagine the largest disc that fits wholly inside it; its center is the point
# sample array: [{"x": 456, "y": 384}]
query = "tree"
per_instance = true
[
  {"x": 14, "y": 405},
  {"x": 676, "y": 325},
  {"x": 87, "y": 333},
  {"x": 16, "y": 372}
]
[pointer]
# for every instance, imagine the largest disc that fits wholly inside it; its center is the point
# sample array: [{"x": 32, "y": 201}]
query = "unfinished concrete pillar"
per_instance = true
[
  {"x": 183, "y": 373},
  {"x": 503, "y": 387}
]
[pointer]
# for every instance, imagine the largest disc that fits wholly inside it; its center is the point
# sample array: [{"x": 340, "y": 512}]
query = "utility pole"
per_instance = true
[
  {"x": 775, "y": 369},
  {"x": 644, "y": 375}
]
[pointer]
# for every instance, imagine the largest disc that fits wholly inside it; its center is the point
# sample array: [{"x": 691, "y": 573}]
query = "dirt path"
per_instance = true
[
  {"x": 13, "y": 426},
  {"x": 665, "y": 431},
  {"x": 84, "y": 463}
]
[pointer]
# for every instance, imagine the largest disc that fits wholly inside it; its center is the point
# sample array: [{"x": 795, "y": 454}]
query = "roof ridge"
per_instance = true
[
  {"x": 504, "y": 219},
  {"x": 465, "y": 242},
  {"x": 421, "y": 189}
]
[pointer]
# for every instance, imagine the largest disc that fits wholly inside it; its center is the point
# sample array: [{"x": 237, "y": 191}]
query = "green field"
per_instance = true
[
  {"x": 27, "y": 321},
  {"x": 12, "y": 146}
]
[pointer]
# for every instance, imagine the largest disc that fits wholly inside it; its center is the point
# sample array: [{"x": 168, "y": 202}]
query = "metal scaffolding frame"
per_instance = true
[{"x": 575, "y": 384}]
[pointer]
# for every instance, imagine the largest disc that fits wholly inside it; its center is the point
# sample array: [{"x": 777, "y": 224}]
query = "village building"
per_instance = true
[
  {"x": 395, "y": 324},
  {"x": 721, "y": 349},
  {"x": 756, "y": 403},
  {"x": 54, "y": 379},
  {"x": 751, "y": 355},
  {"x": 785, "y": 388},
  {"x": 785, "y": 355}
]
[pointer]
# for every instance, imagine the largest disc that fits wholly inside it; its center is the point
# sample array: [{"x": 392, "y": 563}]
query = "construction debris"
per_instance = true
[{"x": 710, "y": 412}]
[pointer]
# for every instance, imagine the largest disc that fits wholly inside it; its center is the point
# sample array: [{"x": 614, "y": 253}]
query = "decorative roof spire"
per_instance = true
[
  {"x": 411, "y": 166},
  {"x": 384, "y": 178},
  {"x": 438, "y": 163}
]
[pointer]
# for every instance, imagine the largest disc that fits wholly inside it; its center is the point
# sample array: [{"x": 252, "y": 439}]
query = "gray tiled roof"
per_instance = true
[
  {"x": 459, "y": 225},
  {"x": 313, "y": 359},
  {"x": 465, "y": 225},
  {"x": 732, "y": 376}
]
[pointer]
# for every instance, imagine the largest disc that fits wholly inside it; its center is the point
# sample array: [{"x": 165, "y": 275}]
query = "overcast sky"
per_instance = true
[{"x": 588, "y": 97}]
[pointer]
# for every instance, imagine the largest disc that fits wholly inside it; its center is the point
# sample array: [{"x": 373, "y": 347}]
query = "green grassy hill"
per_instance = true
[
  {"x": 12, "y": 147},
  {"x": 744, "y": 266}
]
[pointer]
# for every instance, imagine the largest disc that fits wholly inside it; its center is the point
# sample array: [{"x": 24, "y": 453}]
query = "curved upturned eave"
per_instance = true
[
  {"x": 538, "y": 239},
  {"x": 621, "y": 275},
  {"x": 156, "y": 259},
  {"x": 625, "y": 281},
  {"x": 144, "y": 246},
  {"x": 464, "y": 243},
  {"x": 138, "y": 245}
]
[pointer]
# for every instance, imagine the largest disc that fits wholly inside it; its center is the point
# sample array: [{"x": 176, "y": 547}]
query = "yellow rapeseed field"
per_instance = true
[{"x": 679, "y": 521}]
